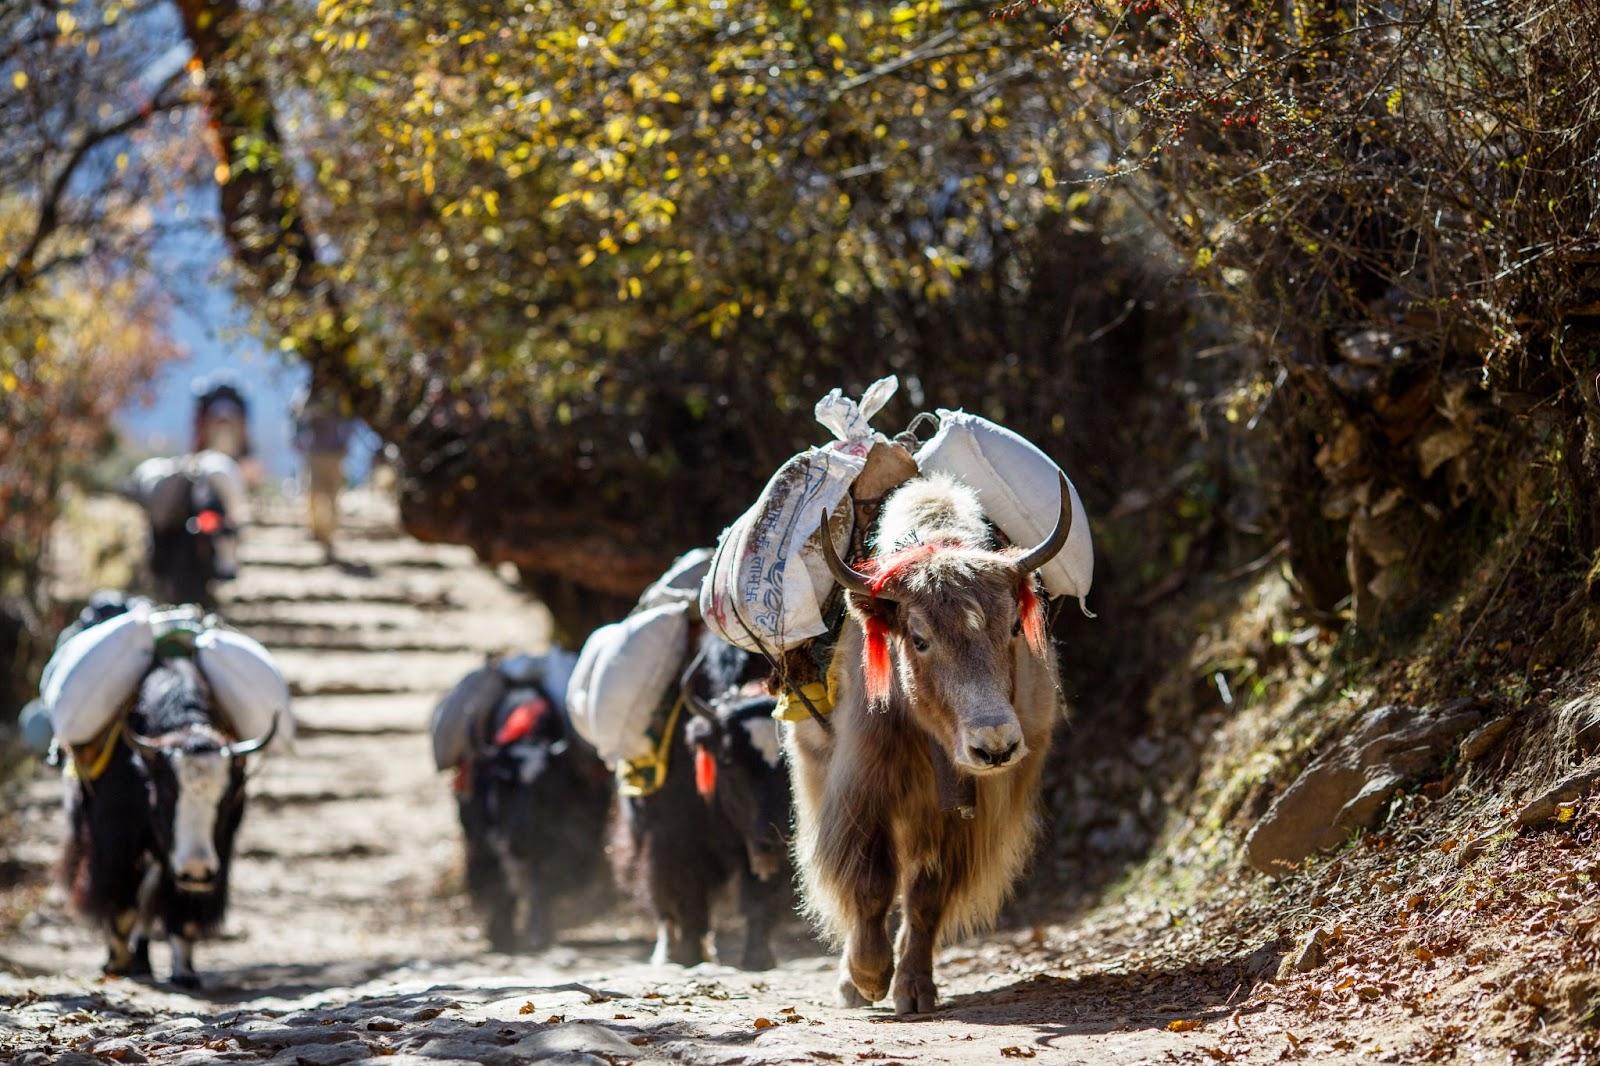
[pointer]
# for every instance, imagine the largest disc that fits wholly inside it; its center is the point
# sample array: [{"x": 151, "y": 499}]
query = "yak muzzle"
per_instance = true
[
  {"x": 992, "y": 747},
  {"x": 195, "y": 876}
]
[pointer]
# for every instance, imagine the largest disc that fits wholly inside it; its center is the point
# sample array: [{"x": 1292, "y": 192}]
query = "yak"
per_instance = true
[
  {"x": 189, "y": 556},
  {"x": 722, "y": 814},
  {"x": 532, "y": 799},
  {"x": 943, "y": 673},
  {"x": 151, "y": 838}
]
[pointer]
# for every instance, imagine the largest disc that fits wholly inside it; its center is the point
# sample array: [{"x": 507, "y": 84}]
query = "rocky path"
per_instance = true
[{"x": 349, "y": 940}]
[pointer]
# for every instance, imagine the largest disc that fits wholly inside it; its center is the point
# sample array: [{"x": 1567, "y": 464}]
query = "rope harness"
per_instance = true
[
  {"x": 644, "y": 776},
  {"x": 88, "y": 762}
]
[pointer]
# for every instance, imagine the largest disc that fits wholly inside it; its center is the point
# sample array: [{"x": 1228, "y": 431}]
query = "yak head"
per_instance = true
[
  {"x": 515, "y": 768},
  {"x": 739, "y": 768},
  {"x": 947, "y": 619},
  {"x": 195, "y": 777}
]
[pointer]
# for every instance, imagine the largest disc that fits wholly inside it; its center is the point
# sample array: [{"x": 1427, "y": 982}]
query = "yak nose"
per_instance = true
[
  {"x": 994, "y": 746},
  {"x": 765, "y": 863},
  {"x": 196, "y": 871}
]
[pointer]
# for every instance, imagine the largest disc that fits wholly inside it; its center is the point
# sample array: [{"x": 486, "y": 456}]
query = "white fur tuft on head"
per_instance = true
[{"x": 936, "y": 507}]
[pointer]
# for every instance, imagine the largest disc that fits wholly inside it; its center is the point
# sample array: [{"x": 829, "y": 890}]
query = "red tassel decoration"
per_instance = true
[
  {"x": 522, "y": 721},
  {"x": 1032, "y": 613},
  {"x": 705, "y": 772},
  {"x": 877, "y": 661}
]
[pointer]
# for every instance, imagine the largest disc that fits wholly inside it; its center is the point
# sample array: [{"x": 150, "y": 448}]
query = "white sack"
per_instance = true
[
  {"x": 249, "y": 687},
  {"x": 226, "y": 480},
  {"x": 458, "y": 714},
  {"x": 162, "y": 489},
  {"x": 95, "y": 672},
  {"x": 1018, "y": 486},
  {"x": 623, "y": 672},
  {"x": 682, "y": 577},
  {"x": 768, "y": 579}
]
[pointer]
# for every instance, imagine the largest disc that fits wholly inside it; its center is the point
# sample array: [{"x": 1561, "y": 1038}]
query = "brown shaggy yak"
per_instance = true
[{"x": 944, "y": 658}]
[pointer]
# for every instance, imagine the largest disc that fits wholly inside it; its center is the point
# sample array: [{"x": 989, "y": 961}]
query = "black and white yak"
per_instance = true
[
  {"x": 532, "y": 799},
  {"x": 722, "y": 814},
  {"x": 151, "y": 838}
]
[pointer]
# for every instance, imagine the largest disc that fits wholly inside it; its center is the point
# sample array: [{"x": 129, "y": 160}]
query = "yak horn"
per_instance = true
[
  {"x": 1051, "y": 546},
  {"x": 250, "y": 747},
  {"x": 691, "y": 698},
  {"x": 852, "y": 579},
  {"x": 698, "y": 706},
  {"x": 148, "y": 748}
]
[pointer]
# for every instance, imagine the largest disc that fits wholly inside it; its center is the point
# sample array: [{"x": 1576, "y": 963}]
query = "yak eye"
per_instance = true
[{"x": 919, "y": 642}]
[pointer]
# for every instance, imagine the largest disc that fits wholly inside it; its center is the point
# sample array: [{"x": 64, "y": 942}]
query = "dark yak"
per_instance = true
[
  {"x": 152, "y": 837},
  {"x": 722, "y": 813},
  {"x": 196, "y": 550},
  {"x": 532, "y": 800}
]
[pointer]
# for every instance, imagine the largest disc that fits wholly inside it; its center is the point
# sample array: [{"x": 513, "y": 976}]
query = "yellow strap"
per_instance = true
[
  {"x": 791, "y": 708},
  {"x": 101, "y": 757},
  {"x": 645, "y": 776}
]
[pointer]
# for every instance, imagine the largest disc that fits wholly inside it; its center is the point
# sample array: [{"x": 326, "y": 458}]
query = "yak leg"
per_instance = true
[
  {"x": 120, "y": 959},
  {"x": 144, "y": 922},
  {"x": 526, "y": 899},
  {"x": 868, "y": 962},
  {"x": 183, "y": 973},
  {"x": 914, "y": 990},
  {"x": 758, "y": 901},
  {"x": 682, "y": 902},
  {"x": 693, "y": 929}
]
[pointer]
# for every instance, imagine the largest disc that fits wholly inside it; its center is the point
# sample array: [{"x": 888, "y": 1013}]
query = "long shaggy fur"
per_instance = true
[{"x": 868, "y": 816}]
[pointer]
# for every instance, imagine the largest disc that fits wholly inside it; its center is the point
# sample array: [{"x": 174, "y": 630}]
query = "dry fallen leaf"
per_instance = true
[
  {"x": 765, "y": 1023},
  {"x": 1014, "y": 1052},
  {"x": 555, "y": 1019},
  {"x": 639, "y": 1041},
  {"x": 526, "y": 1008},
  {"x": 1217, "y": 1054},
  {"x": 1183, "y": 1025}
]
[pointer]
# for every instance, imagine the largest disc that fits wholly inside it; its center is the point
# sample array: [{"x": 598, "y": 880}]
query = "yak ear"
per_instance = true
[
  {"x": 864, "y": 609},
  {"x": 700, "y": 733}
]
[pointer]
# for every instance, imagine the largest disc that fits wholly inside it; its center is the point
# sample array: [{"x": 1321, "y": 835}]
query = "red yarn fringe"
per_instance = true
[
  {"x": 522, "y": 721},
  {"x": 877, "y": 661},
  {"x": 705, "y": 772},
  {"x": 1032, "y": 616}
]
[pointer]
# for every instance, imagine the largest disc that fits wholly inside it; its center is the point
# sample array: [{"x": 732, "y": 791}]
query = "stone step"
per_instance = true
[
  {"x": 341, "y": 638},
  {"x": 316, "y": 673},
  {"x": 265, "y": 586},
  {"x": 355, "y": 716}
]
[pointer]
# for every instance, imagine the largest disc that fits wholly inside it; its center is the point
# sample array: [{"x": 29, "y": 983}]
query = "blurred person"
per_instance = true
[
  {"x": 222, "y": 422},
  {"x": 322, "y": 435},
  {"x": 221, "y": 417}
]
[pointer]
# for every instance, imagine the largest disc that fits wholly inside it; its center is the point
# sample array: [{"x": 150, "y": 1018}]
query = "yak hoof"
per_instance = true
[
  {"x": 848, "y": 995},
  {"x": 139, "y": 961},
  {"x": 188, "y": 981},
  {"x": 757, "y": 959},
  {"x": 915, "y": 996}
]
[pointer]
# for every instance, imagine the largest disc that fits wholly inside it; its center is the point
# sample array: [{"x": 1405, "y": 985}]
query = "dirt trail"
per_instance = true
[{"x": 348, "y": 939}]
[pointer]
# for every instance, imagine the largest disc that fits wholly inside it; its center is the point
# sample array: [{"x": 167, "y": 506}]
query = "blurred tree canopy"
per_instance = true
[
  {"x": 589, "y": 264},
  {"x": 1398, "y": 204},
  {"x": 90, "y": 97}
]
